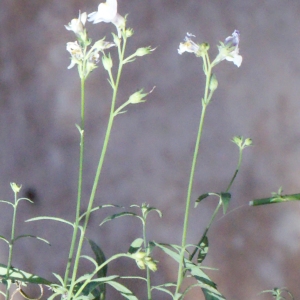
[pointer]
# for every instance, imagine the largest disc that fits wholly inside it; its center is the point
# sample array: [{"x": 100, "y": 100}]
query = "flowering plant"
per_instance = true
[{"x": 189, "y": 258}]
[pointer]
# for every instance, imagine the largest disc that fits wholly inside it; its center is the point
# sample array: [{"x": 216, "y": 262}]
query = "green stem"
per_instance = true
[
  {"x": 79, "y": 191},
  {"x": 100, "y": 164},
  {"x": 205, "y": 102},
  {"x": 148, "y": 274},
  {"x": 188, "y": 200},
  {"x": 11, "y": 243}
]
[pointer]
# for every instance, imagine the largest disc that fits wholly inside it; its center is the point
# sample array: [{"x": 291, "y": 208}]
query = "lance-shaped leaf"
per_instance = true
[
  {"x": 17, "y": 274},
  {"x": 135, "y": 245},
  {"x": 224, "y": 197},
  {"x": 122, "y": 214},
  {"x": 203, "y": 249},
  {"x": 123, "y": 290},
  {"x": 100, "y": 259},
  {"x": 275, "y": 199}
]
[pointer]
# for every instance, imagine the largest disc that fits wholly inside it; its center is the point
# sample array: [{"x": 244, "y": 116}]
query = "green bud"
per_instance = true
[
  {"x": 213, "y": 84},
  {"x": 151, "y": 264},
  {"x": 129, "y": 32},
  {"x": 107, "y": 62},
  {"x": 248, "y": 142},
  {"x": 237, "y": 140},
  {"x": 116, "y": 39},
  {"x": 143, "y": 51},
  {"x": 16, "y": 188},
  {"x": 137, "y": 97}
]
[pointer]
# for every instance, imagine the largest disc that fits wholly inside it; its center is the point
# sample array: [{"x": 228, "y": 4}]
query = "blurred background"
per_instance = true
[{"x": 150, "y": 152}]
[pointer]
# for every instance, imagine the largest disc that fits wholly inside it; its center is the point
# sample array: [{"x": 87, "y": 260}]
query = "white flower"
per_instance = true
[
  {"x": 108, "y": 12},
  {"x": 77, "y": 25},
  {"x": 76, "y": 53},
  {"x": 188, "y": 45},
  {"x": 229, "y": 50}
]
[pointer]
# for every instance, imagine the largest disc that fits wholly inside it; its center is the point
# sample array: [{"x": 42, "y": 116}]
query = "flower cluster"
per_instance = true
[
  {"x": 229, "y": 50},
  {"x": 143, "y": 261},
  {"x": 80, "y": 55}
]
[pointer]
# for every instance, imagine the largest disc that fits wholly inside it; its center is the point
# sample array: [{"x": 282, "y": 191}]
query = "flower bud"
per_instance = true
[
  {"x": 248, "y": 142},
  {"x": 213, "y": 83},
  {"x": 16, "y": 188},
  {"x": 107, "y": 62},
  {"x": 129, "y": 32},
  {"x": 143, "y": 51}
]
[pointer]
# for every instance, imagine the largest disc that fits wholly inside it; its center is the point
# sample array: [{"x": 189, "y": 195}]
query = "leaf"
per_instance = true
[
  {"x": 123, "y": 290},
  {"x": 275, "y": 199},
  {"x": 115, "y": 216},
  {"x": 4, "y": 239},
  {"x": 32, "y": 236},
  {"x": 225, "y": 198},
  {"x": 16, "y": 274},
  {"x": 212, "y": 295},
  {"x": 203, "y": 196},
  {"x": 203, "y": 249},
  {"x": 50, "y": 218},
  {"x": 163, "y": 288},
  {"x": 100, "y": 207},
  {"x": 209, "y": 288},
  {"x": 100, "y": 259},
  {"x": 135, "y": 245}
]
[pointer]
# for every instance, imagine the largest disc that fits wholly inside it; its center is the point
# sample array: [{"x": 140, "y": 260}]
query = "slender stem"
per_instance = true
[
  {"x": 148, "y": 274},
  {"x": 11, "y": 242},
  {"x": 79, "y": 191},
  {"x": 100, "y": 164},
  {"x": 205, "y": 102},
  {"x": 188, "y": 200}
]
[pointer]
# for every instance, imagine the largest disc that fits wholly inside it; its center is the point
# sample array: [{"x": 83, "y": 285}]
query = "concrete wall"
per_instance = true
[{"x": 150, "y": 151}]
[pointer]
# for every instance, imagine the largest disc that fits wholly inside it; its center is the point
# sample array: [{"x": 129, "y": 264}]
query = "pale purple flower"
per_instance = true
[
  {"x": 229, "y": 50},
  {"x": 188, "y": 45}
]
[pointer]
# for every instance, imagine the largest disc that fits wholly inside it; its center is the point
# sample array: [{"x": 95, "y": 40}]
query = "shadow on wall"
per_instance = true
[{"x": 150, "y": 152}]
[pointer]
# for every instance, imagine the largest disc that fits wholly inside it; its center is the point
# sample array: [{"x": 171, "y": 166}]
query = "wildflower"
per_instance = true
[
  {"x": 76, "y": 53},
  {"x": 107, "y": 12},
  {"x": 77, "y": 25},
  {"x": 142, "y": 260},
  {"x": 229, "y": 50},
  {"x": 188, "y": 45},
  {"x": 16, "y": 188}
]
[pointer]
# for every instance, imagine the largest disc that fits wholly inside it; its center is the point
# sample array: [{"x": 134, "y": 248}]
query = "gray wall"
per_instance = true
[{"x": 150, "y": 151}]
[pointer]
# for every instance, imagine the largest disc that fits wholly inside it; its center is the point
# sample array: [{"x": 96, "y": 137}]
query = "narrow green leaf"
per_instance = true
[
  {"x": 100, "y": 207},
  {"x": 100, "y": 258},
  {"x": 7, "y": 202},
  {"x": 50, "y": 218},
  {"x": 115, "y": 216},
  {"x": 32, "y": 236},
  {"x": 203, "y": 249},
  {"x": 154, "y": 209},
  {"x": 135, "y": 245},
  {"x": 225, "y": 198},
  {"x": 212, "y": 295},
  {"x": 201, "y": 197},
  {"x": 275, "y": 199},
  {"x": 16, "y": 274},
  {"x": 4, "y": 239},
  {"x": 124, "y": 291}
]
